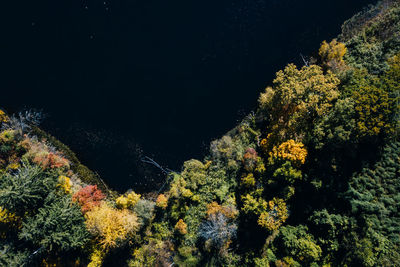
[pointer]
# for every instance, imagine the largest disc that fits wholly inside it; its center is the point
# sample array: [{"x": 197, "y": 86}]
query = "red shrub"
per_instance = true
[
  {"x": 88, "y": 197},
  {"x": 50, "y": 160}
]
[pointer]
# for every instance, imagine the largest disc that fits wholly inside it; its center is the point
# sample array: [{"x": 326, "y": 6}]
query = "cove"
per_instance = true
[{"x": 122, "y": 79}]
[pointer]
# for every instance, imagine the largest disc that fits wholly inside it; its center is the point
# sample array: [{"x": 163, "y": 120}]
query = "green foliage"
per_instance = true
[
  {"x": 144, "y": 209},
  {"x": 11, "y": 257},
  {"x": 57, "y": 226},
  {"x": 371, "y": 36},
  {"x": 374, "y": 194},
  {"x": 298, "y": 243},
  {"x": 26, "y": 189},
  {"x": 288, "y": 173},
  {"x": 330, "y": 227},
  {"x": 338, "y": 127}
]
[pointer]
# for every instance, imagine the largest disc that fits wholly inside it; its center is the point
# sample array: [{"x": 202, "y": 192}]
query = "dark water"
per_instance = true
[{"x": 120, "y": 79}]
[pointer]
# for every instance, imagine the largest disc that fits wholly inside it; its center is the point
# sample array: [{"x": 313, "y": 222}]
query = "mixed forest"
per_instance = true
[{"x": 310, "y": 178}]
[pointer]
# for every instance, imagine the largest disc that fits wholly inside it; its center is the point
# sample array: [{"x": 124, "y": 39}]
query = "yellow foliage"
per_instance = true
[
  {"x": 3, "y": 117},
  {"x": 12, "y": 166},
  {"x": 96, "y": 258},
  {"x": 297, "y": 96},
  {"x": 111, "y": 225},
  {"x": 7, "y": 217},
  {"x": 289, "y": 150},
  {"x": 332, "y": 53},
  {"x": 162, "y": 201},
  {"x": 7, "y": 136},
  {"x": 181, "y": 227},
  {"x": 229, "y": 211},
  {"x": 275, "y": 214},
  {"x": 128, "y": 201},
  {"x": 248, "y": 180},
  {"x": 64, "y": 183}
]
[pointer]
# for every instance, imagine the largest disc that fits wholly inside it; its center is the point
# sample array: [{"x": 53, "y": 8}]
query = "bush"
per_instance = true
[
  {"x": 111, "y": 226},
  {"x": 88, "y": 197}
]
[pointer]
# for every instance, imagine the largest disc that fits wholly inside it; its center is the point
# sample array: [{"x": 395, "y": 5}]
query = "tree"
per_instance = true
[
  {"x": 162, "y": 201},
  {"x": 181, "y": 227},
  {"x": 88, "y": 197},
  {"x": 374, "y": 108},
  {"x": 297, "y": 96},
  {"x": 26, "y": 190},
  {"x": 111, "y": 226},
  {"x": 298, "y": 243},
  {"x": 275, "y": 215},
  {"x": 332, "y": 54},
  {"x": 218, "y": 229},
  {"x": 128, "y": 200},
  {"x": 290, "y": 150},
  {"x": 57, "y": 226}
]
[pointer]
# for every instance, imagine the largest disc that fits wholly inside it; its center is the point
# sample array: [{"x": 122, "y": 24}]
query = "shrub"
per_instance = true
[
  {"x": 64, "y": 183},
  {"x": 162, "y": 201},
  {"x": 127, "y": 201},
  {"x": 88, "y": 197},
  {"x": 111, "y": 226},
  {"x": 181, "y": 227},
  {"x": 144, "y": 209},
  {"x": 332, "y": 54}
]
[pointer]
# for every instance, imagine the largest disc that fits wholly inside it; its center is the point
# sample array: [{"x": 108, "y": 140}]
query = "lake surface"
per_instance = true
[{"x": 119, "y": 79}]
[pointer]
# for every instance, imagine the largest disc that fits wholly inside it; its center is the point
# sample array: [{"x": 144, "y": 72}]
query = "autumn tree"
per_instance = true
[
  {"x": 111, "y": 226},
  {"x": 297, "y": 96},
  {"x": 332, "y": 55},
  {"x": 88, "y": 197}
]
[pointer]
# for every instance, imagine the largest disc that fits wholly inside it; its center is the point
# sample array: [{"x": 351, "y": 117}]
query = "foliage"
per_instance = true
[
  {"x": 275, "y": 214},
  {"x": 128, "y": 201},
  {"x": 23, "y": 121},
  {"x": 156, "y": 253},
  {"x": 64, "y": 183},
  {"x": 144, "y": 209},
  {"x": 88, "y": 197},
  {"x": 310, "y": 178},
  {"x": 250, "y": 159},
  {"x": 332, "y": 54},
  {"x": 111, "y": 226},
  {"x": 299, "y": 244},
  {"x": 181, "y": 227},
  {"x": 26, "y": 189},
  {"x": 374, "y": 191},
  {"x": 289, "y": 150},
  {"x": 374, "y": 108},
  {"x": 218, "y": 229},
  {"x": 297, "y": 96},
  {"x": 58, "y": 225},
  {"x": 162, "y": 201}
]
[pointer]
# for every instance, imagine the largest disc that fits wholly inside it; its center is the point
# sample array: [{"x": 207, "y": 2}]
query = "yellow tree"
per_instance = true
[
  {"x": 332, "y": 54},
  {"x": 297, "y": 97},
  {"x": 111, "y": 226}
]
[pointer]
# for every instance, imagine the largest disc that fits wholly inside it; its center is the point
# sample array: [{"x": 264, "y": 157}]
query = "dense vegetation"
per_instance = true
[{"x": 311, "y": 178}]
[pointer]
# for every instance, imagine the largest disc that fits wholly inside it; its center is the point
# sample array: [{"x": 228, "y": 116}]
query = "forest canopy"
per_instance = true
[{"x": 309, "y": 178}]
